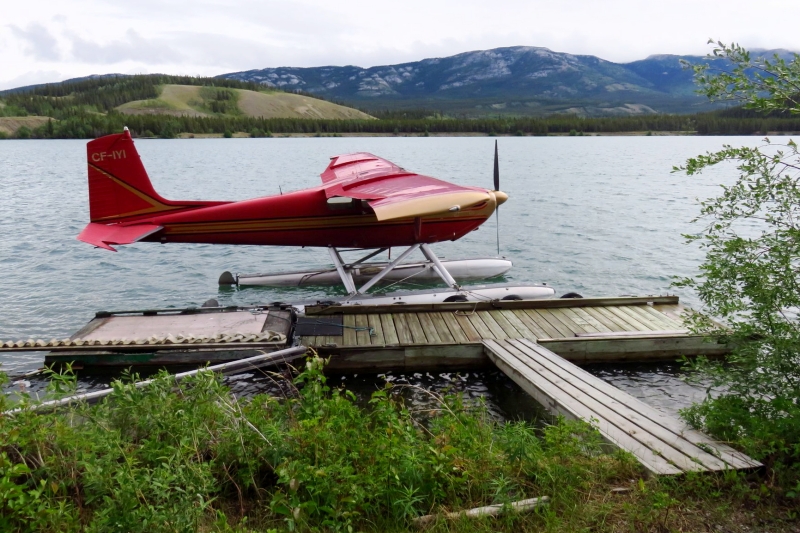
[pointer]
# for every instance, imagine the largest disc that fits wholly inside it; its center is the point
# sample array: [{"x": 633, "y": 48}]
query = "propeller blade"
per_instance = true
[
  {"x": 497, "y": 188},
  {"x": 496, "y": 168}
]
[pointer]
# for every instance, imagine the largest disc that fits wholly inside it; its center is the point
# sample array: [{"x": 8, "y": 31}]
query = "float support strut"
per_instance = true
[
  {"x": 443, "y": 273},
  {"x": 344, "y": 273},
  {"x": 379, "y": 276}
]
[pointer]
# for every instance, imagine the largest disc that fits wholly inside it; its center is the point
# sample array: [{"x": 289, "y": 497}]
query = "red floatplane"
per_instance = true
[{"x": 365, "y": 202}]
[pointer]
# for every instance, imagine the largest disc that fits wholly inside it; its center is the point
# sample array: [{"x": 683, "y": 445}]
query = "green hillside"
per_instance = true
[{"x": 179, "y": 100}]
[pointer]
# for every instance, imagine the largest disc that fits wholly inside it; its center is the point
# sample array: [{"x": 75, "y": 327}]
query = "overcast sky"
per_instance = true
[{"x": 52, "y": 40}]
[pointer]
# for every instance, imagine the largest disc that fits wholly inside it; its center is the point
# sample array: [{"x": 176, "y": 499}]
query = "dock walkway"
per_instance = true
[
  {"x": 661, "y": 443},
  {"x": 583, "y": 330}
]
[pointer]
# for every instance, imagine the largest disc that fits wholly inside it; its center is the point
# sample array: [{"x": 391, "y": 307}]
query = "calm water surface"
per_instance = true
[{"x": 601, "y": 216}]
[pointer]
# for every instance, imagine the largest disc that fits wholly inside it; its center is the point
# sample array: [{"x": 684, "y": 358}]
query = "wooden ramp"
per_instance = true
[{"x": 661, "y": 443}]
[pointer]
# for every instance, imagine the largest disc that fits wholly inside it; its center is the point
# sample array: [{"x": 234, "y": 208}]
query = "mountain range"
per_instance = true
[{"x": 519, "y": 80}]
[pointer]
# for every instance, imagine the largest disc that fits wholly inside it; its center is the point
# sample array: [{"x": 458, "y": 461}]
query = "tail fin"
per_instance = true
[{"x": 119, "y": 187}]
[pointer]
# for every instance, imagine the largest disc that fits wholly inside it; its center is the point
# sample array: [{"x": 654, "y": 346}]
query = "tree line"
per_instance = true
[{"x": 87, "y": 109}]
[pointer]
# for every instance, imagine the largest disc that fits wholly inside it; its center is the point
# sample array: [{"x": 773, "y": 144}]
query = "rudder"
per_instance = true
[{"x": 118, "y": 183}]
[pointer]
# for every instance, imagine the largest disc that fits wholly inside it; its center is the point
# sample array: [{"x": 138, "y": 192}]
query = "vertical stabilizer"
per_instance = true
[{"x": 118, "y": 183}]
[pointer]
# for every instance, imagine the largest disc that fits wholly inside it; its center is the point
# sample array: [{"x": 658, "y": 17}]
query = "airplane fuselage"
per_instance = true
[{"x": 306, "y": 218}]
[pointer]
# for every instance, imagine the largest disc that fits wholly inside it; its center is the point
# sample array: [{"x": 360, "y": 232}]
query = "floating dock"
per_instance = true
[
  {"x": 535, "y": 342},
  {"x": 582, "y": 330}
]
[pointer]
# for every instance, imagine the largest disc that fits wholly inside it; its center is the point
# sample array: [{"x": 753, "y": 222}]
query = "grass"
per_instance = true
[
  {"x": 192, "y": 100},
  {"x": 195, "y": 458}
]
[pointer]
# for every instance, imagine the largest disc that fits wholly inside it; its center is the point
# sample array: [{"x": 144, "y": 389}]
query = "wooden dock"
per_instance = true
[
  {"x": 661, "y": 443},
  {"x": 583, "y": 330}
]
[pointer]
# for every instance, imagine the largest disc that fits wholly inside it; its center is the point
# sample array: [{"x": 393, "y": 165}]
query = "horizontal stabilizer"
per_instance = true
[{"x": 102, "y": 235}]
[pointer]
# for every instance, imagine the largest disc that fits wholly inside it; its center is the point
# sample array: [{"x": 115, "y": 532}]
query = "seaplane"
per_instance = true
[{"x": 364, "y": 203}]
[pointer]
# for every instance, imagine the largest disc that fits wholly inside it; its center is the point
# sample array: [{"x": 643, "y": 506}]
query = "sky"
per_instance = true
[{"x": 52, "y": 40}]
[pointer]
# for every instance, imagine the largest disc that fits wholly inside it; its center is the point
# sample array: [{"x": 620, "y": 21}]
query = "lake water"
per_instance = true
[{"x": 602, "y": 216}]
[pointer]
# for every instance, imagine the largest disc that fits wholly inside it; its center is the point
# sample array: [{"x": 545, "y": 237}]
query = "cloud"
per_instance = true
[
  {"x": 38, "y": 42},
  {"x": 132, "y": 48}
]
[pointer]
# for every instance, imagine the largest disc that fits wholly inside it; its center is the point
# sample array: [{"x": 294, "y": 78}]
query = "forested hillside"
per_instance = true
[{"x": 94, "y": 107}]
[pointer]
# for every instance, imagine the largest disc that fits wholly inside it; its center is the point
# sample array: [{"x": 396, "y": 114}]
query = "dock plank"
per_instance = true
[
  {"x": 660, "y": 319},
  {"x": 635, "y": 317},
  {"x": 455, "y": 328},
  {"x": 624, "y": 321},
  {"x": 415, "y": 327},
  {"x": 349, "y": 331},
  {"x": 606, "y": 319},
  {"x": 553, "y": 319},
  {"x": 468, "y": 328},
  {"x": 630, "y": 319},
  {"x": 403, "y": 330},
  {"x": 374, "y": 321},
  {"x": 586, "y": 325},
  {"x": 591, "y": 319},
  {"x": 441, "y": 328},
  {"x": 362, "y": 331},
  {"x": 732, "y": 457},
  {"x": 531, "y": 324},
  {"x": 480, "y": 326},
  {"x": 431, "y": 332},
  {"x": 568, "y": 321},
  {"x": 491, "y": 323},
  {"x": 389, "y": 331},
  {"x": 675, "y": 323},
  {"x": 542, "y": 323},
  {"x": 508, "y": 329},
  {"x": 518, "y": 324}
]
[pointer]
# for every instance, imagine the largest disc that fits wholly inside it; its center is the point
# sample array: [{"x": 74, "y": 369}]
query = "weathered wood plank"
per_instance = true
[
  {"x": 455, "y": 328},
  {"x": 658, "y": 320},
  {"x": 441, "y": 328},
  {"x": 607, "y": 320},
  {"x": 585, "y": 325},
  {"x": 374, "y": 321},
  {"x": 530, "y": 323},
  {"x": 622, "y": 322},
  {"x": 403, "y": 330},
  {"x": 542, "y": 323},
  {"x": 389, "y": 331},
  {"x": 553, "y": 320},
  {"x": 674, "y": 311},
  {"x": 415, "y": 327},
  {"x": 508, "y": 329},
  {"x": 596, "y": 323},
  {"x": 674, "y": 324},
  {"x": 565, "y": 319},
  {"x": 467, "y": 327},
  {"x": 362, "y": 333},
  {"x": 518, "y": 324},
  {"x": 552, "y": 398},
  {"x": 349, "y": 331},
  {"x": 480, "y": 326},
  {"x": 431, "y": 333},
  {"x": 646, "y": 321},
  {"x": 491, "y": 323},
  {"x": 722, "y": 452}
]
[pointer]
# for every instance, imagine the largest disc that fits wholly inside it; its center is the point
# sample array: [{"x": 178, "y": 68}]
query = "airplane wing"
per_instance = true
[
  {"x": 393, "y": 192},
  {"x": 102, "y": 235}
]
